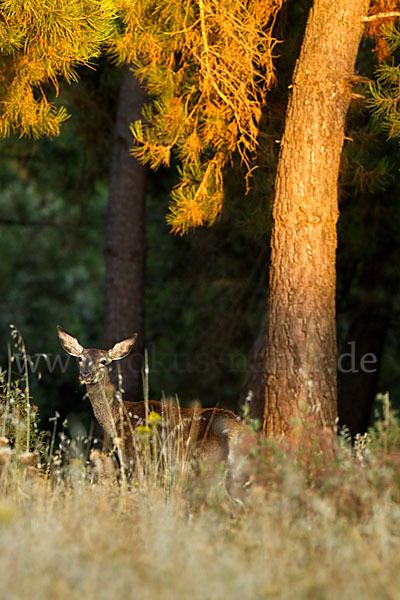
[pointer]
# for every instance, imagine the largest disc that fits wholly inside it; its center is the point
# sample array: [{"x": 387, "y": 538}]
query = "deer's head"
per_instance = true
[{"x": 93, "y": 362}]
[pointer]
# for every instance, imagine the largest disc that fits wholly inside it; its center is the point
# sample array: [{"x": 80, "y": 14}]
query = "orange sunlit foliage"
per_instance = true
[
  {"x": 40, "y": 42},
  {"x": 207, "y": 64},
  {"x": 374, "y": 28}
]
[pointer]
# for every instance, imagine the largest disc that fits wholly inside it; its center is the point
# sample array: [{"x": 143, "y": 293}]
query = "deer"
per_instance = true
[{"x": 201, "y": 434}]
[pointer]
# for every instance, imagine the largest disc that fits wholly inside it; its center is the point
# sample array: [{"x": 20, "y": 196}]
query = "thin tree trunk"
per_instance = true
[
  {"x": 361, "y": 358},
  {"x": 126, "y": 241},
  {"x": 359, "y": 369},
  {"x": 301, "y": 335},
  {"x": 253, "y": 390}
]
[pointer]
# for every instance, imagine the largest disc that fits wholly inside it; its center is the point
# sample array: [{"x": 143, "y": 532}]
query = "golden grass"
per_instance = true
[
  {"x": 296, "y": 537},
  {"x": 316, "y": 519}
]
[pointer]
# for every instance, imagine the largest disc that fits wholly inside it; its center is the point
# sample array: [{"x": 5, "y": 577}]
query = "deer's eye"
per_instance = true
[
  {"x": 79, "y": 358},
  {"x": 103, "y": 361}
]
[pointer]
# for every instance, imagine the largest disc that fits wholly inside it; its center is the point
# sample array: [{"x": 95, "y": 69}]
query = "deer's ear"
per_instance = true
[
  {"x": 69, "y": 342},
  {"x": 122, "y": 349}
]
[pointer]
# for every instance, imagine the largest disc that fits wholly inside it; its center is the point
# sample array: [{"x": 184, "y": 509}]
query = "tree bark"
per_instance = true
[
  {"x": 301, "y": 334},
  {"x": 126, "y": 241}
]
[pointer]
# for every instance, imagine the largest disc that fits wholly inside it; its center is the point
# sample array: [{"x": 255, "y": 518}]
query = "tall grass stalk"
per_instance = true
[{"x": 145, "y": 379}]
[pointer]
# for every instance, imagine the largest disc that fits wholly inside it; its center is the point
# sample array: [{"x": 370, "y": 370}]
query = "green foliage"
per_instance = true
[
  {"x": 207, "y": 66},
  {"x": 204, "y": 299},
  {"x": 384, "y": 94},
  {"x": 52, "y": 232},
  {"x": 40, "y": 42},
  {"x": 368, "y": 162}
]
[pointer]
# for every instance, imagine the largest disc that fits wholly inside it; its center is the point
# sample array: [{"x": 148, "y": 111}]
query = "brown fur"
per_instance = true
[{"x": 203, "y": 433}]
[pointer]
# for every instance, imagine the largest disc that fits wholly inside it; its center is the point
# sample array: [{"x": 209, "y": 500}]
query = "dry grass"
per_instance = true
[
  {"x": 77, "y": 541},
  {"x": 318, "y": 521},
  {"x": 297, "y": 537}
]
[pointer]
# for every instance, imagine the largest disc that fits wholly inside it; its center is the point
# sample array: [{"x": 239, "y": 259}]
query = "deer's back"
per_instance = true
[
  {"x": 205, "y": 420},
  {"x": 208, "y": 431}
]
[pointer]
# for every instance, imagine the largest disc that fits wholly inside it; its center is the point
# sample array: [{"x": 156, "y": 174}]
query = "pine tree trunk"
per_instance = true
[
  {"x": 301, "y": 335},
  {"x": 126, "y": 241}
]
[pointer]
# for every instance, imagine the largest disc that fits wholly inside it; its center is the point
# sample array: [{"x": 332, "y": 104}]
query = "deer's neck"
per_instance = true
[{"x": 102, "y": 399}]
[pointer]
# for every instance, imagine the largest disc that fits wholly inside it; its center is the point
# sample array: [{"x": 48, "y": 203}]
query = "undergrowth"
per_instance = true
[{"x": 315, "y": 518}]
